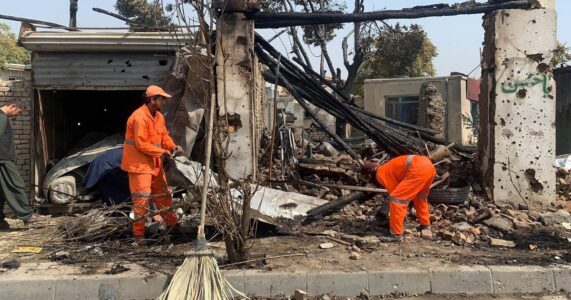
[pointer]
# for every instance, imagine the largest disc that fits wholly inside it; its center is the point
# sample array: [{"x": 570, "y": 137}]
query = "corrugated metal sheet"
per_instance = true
[
  {"x": 99, "y": 71},
  {"x": 103, "y": 41}
]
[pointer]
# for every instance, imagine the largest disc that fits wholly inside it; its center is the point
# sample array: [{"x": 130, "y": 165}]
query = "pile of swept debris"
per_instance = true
[
  {"x": 476, "y": 223},
  {"x": 469, "y": 220}
]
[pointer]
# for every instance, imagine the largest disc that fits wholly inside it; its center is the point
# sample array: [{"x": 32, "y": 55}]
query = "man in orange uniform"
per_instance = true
[
  {"x": 146, "y": 141},
  {"x": 407, "y": 178}
]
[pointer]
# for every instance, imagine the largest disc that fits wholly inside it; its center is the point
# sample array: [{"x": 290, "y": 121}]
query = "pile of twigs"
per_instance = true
[
  {"x": 99, "y": 223},
  {"x": 397, "y": 138},
  {"x": 106, "y": 222}
]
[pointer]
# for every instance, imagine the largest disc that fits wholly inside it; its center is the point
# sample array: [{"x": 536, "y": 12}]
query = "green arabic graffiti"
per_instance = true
[{"x": 531, "y": 81}]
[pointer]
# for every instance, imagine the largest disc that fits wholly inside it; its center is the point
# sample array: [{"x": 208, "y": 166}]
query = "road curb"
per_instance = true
[{"x": 35, "y": 282}]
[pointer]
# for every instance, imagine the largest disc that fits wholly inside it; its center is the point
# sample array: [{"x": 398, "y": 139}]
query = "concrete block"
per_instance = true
[
  {"x": 525, "y": 279},
  {"x": 562, "y": 279},
  {"x": 461, "y": 280},
  {"x": 273, "y": 284},
  {"x": 407, "y": 281},
  {"x": 82, "y": 288},
  {"x": 337, "y": 283},
  {"x": 27, "y": 289},
  {"x": 148, "y": 287},
  {"x": 235, "y": 278}
]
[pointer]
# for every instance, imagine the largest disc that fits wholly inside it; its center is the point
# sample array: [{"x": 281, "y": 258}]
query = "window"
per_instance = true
[{"x": 404, "y": 109}]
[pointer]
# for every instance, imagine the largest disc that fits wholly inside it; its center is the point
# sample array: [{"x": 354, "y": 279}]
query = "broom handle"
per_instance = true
[{"x": 206, "y": 178}]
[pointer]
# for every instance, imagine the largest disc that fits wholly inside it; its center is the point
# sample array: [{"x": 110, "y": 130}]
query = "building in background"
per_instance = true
[{"x": 417, "y": 101}]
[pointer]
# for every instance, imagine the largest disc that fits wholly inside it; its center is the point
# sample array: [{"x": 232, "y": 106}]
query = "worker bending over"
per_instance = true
[
  {"x": 146, "y": 142},
  {"x": 407, "y": 178}
]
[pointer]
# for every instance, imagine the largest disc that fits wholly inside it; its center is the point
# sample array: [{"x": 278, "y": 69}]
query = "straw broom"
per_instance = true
[{"x": 199, "y": 277}]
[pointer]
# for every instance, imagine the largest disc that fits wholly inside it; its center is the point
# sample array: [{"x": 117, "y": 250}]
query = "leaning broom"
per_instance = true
[{"x": 199, "y": 278}]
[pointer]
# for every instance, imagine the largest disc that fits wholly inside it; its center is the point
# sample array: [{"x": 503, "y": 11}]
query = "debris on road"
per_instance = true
[
  {"x": 33, "y": 250},
  {"x": 117, "y": 269},
  {"x": 10, "y": 265},
  {"x": 502, "y": 243},
  {"x": 300, "y": 295},
  {"x": 355, "y": 256},
  {"x": 326, "y": 246}
]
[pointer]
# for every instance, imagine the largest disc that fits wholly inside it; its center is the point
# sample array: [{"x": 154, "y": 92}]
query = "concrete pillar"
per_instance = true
[
  {"x": 236, "y": 93},
  {"x": 517, "y": 106}
]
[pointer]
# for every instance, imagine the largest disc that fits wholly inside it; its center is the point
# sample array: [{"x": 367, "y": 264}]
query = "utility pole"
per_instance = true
[{"x": 73, "y": 6}]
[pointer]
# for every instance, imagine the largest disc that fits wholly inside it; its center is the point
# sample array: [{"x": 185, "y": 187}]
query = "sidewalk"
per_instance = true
[{"x": 56, "y": 281}]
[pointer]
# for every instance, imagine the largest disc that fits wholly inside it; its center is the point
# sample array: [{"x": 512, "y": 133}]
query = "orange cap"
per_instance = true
[{"x": 154, "y": 90}]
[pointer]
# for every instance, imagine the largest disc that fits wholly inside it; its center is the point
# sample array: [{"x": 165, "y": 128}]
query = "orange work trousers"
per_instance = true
[
  {"x": 414, "y": 186},
  {"x": 145, "y": 187}
]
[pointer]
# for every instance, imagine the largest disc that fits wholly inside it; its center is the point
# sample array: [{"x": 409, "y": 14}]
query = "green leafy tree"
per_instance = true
[
  {"x": 561, "y": 55},
  {"x": 10, "y": 52},
  {"x": 397, "y": 51},
  {"x": 142, "y": 12}
]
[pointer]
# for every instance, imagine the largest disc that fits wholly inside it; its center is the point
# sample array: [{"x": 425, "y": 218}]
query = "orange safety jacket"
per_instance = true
[
  {"x": 392, "y": 174},
  {"x": 146, "y": 139}
]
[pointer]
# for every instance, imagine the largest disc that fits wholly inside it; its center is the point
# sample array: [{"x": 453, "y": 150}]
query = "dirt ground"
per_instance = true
[{"x": 299, "y": 245}]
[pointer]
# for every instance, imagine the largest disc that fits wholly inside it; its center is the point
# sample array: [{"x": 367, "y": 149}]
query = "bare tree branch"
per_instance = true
[
  {"x": 298, "y": 48},
  {"x": 322, "y": 43},
  {"x": 345, "y": 47}
]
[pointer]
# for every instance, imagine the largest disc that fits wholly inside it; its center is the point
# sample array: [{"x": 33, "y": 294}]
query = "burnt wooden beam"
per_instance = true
[
  {"x": 287, "y": 19},
  {"x": 37, "y": 22},
  {"x": 114, "y": 15}
]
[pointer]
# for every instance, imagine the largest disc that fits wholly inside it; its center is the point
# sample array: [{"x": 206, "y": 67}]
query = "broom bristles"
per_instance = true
[{"x": 199, "y": 278}]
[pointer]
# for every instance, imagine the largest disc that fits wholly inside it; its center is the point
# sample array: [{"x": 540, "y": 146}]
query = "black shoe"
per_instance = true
[
  {"x": 391, "y": 238},
  {"x": 4, "y": 225}
]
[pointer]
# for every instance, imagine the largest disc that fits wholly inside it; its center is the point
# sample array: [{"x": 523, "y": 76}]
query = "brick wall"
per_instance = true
[
  {"x": 431, "y": 109},
  {"x": 22, "y": 124}
]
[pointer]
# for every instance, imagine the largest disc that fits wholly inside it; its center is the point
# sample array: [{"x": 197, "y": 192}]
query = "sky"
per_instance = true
[{"x": 458, "y": 39}]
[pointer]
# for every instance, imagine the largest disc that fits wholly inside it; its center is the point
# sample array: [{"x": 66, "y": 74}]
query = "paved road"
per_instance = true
[{"x": 503, "y": 297}]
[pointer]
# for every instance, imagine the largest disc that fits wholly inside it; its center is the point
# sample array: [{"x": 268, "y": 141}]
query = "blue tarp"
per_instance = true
[{"x": 105, "y": 173}]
